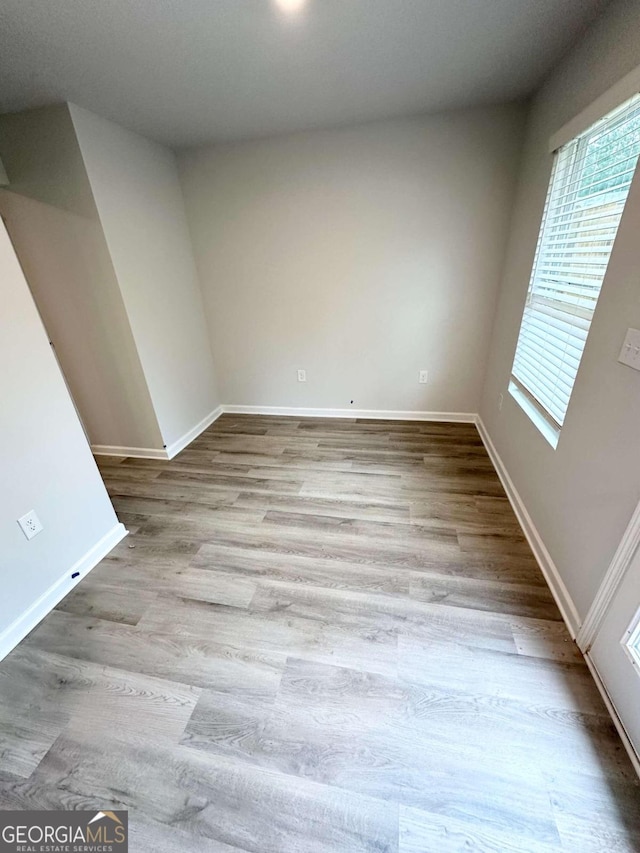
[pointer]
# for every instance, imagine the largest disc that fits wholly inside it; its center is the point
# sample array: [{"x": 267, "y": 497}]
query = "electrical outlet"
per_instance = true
[
  {"x": 30, "y": 524},
  {"x": 302, "y": 376},
  {"x": 500, "y": 401},
  {"x": 422, "y": 376}
]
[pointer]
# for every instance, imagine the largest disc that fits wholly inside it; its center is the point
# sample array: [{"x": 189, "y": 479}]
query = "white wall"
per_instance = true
[
  {"x": 137, "y": 193},
  {"x": 580, "y": 496},
  {"x": 45, "y": 461},
  {"x": 361, "y": 255},
  {"x": 53, "y": 223}
]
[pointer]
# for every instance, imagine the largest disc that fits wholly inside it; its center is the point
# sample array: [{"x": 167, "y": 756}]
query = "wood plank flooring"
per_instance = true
[{"x": 321, "y": 636}]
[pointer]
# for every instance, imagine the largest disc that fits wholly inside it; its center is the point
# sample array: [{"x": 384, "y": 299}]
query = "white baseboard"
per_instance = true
[
  {"x": 136, "y": 452},
  {"x": 611, "y": 708},
  {"x": 279, "y": 411},
  {"x": 547, "y": 566},
  {"x": 165, "y": 453},
  {"x": 370, "y": 414},
  {"x": 43, "y": 605},
  {"x": 175, "y": 448}
]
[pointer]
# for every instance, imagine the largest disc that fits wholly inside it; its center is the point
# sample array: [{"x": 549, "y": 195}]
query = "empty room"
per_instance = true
[{"x": 320, "y": 406}]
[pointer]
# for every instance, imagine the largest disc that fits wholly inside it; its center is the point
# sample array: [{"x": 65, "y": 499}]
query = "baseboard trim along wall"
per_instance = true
[
  {"x": 175, "y": 448},
  {"x": 165, "y": 453},
  {"x": 279, "y": 411},
  {"x": 369, "y": 414},
  {"x": 43, "y": 605},
  {"x": 136, "y": 452},
  {"x": 547, "y": 566}
]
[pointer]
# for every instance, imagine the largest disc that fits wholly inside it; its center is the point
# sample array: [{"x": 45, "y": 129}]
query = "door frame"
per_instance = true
[
  {"x": 618, "y": 567},
  {"x": 586, "y": 636}
]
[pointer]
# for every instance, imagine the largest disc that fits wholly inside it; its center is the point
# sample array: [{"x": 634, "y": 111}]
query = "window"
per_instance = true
[{"x": 588, "y": 189}]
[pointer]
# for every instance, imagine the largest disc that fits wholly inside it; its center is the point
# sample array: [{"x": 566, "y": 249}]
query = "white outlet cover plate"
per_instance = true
[
  {"x": 302, "y": 376},
  {"x": 630, "y": 352},
  {"x": 423, "y": 376},
  {"x": 30, "y": 524}
]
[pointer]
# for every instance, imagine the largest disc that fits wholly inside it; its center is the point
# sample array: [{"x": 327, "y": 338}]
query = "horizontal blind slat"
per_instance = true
[
  {"x": 550, "y": 361},
  {"x": 548, "y": 400},
  {"x": 561, "y": 389}
]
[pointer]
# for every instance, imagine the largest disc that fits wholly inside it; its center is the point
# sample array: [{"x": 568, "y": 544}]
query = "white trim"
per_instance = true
[
  {"x": 630, "y": 641},
  {"x": 620, "y": 92},
  {"x": 165, "y": 453},
  {"x": 539, "y": 418},
  {"x": 175, "y": 448},
  {"x": 281, "y": 411},
  {"x": 611, "y": 708},
  {"x": 136, "y": 452},
  {"x": 543, "y": 557},
  {"x": 621, "y": 561},
  {"x": 45, "y": 603},
  {"x": 371, "y": 414}
]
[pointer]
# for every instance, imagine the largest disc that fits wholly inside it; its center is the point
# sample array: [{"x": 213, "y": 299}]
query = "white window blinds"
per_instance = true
[{"x": 587, "y": 193}]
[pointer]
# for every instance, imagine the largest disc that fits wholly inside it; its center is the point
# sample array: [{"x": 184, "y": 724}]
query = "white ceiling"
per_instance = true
[{"x": 191, "y": 71}]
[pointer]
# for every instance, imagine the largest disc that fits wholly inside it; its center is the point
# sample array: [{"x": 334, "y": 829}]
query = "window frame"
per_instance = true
[{"x": 536, "y": 411}]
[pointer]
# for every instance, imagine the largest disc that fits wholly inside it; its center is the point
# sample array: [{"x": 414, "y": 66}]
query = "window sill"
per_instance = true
[{"x": 548, "y": 429}]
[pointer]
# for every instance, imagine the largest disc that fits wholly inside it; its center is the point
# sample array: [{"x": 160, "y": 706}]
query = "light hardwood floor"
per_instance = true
[{"x": 322, "y": 636}]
